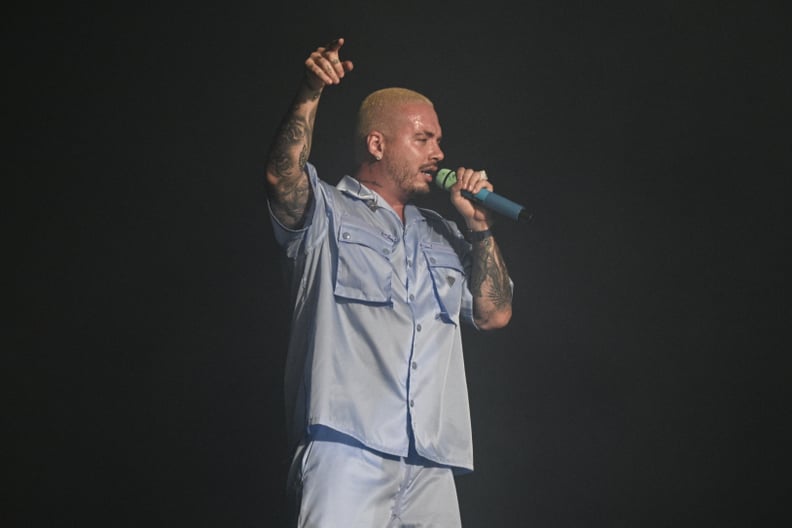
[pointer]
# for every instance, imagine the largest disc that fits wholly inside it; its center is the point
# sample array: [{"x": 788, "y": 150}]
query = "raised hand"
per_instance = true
[
  {"x": 476, "y": 217},
  {"x": 325, "y": 67}
]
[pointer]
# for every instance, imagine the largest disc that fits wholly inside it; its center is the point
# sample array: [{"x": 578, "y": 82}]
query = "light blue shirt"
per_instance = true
[{"x": 375, "y": 348}]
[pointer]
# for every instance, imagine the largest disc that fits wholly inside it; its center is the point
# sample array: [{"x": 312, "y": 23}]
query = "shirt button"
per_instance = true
[
  {"x": 432, "y": 260},
  {"x": 409, "y": 263},
  {"x": 386, "y": 251},
  {"x": 414, "y": 365},
  {"x": 346, "y": 236},
  {"x": 412, "y": 297},
  {"x": 412, "y": 403},
  {"x": 418, "y": 327}
]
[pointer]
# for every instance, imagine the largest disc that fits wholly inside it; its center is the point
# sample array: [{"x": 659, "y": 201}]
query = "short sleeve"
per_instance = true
[{"x": 294, "y": 241}]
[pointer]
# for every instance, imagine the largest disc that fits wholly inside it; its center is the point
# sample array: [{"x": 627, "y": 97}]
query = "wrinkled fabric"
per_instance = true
[
  {"x": 375, "y": 347},
  {"x": 346, "y": 485}
]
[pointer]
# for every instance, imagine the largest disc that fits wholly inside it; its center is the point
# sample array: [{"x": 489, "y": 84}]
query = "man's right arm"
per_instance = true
[
  {"x": 288, "y": 188},
  {"x": 287, "y": 183}
]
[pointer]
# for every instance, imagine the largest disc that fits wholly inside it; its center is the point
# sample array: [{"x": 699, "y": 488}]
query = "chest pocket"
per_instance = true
[
  {"x": 363, "y": 267},
  {"x": 448, "y": 279}
]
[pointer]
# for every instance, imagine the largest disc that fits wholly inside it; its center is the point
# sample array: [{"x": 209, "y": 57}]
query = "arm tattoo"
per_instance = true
[
  {"x": 291, "y": 192},
  {"x": 295, "y": 131},
  {"x": 490, "y": 278}
]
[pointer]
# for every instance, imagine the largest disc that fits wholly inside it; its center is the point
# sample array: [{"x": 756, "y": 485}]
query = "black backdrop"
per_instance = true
[{"x": 640, "y": 382}]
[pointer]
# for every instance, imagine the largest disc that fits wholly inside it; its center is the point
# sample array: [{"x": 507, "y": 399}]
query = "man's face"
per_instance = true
[{"x": 413, "y": 151}]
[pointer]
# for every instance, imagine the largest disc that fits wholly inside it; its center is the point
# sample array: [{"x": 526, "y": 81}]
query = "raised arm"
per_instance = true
[
  {"x": 287, "y": 183},
  {"x": 489, "y": 283}
]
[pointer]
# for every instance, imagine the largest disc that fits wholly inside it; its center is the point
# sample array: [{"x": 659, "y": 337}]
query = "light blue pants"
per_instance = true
[{"x": 341, "y": 484}]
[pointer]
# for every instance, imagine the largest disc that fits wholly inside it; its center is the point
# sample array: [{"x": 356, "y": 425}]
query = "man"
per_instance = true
[{"x": 375, "y": 381}]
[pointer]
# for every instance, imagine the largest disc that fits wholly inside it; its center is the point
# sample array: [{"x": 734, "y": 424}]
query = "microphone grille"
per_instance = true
[{"x": 445, "y": 179}]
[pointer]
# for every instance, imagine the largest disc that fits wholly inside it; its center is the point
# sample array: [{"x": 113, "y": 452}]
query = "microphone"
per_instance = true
[{"x": 446, "y": 178}]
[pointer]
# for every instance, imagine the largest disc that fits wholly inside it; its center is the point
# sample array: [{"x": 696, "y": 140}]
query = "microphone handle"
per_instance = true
[{"x": 499, "y": 204}]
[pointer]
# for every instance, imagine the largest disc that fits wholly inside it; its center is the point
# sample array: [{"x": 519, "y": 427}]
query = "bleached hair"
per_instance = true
[{"x": 376, "y": 113}]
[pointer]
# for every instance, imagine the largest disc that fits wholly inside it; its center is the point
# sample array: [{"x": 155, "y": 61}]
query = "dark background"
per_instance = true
[{"x": 641, "y": 380}]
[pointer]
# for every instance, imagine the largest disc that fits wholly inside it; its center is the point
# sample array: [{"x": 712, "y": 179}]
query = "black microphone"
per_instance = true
[{"x": 446, "y": 178}]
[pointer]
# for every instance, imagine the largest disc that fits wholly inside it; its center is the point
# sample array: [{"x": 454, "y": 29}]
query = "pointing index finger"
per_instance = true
[{"x": 334, "y": 45}]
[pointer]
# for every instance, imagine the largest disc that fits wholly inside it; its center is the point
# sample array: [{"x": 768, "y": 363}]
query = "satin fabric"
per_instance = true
[
  {"x": 343, "y": 484},
  {"x": 375, "y": 349}
]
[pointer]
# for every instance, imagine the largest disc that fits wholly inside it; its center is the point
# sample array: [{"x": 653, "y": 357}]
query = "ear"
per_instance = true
[{"x": 375, "y": 144}]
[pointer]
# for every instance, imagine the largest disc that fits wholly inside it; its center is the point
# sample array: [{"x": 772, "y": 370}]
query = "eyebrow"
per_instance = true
[{"x": 428, "y": 134}]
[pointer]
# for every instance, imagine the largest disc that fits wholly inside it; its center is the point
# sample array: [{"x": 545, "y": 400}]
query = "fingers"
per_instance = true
[
  {"x": 468, "y": 180},
  {"x": 325, "y": 64},
  {"x": 472, "y": 181}
]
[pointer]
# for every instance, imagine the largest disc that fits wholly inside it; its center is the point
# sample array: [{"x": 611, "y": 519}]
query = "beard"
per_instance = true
[{"x": 408, "y": 179}]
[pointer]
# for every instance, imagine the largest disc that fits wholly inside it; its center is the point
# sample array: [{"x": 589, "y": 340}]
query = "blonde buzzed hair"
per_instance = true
[{"x": 376, "y": 113}]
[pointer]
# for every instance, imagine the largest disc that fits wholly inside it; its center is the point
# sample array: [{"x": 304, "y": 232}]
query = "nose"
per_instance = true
[{"x": 438, "y": 154}]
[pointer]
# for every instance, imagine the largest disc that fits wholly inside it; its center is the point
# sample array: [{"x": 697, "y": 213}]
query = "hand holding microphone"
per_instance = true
[{"x": 446, "y": 178}]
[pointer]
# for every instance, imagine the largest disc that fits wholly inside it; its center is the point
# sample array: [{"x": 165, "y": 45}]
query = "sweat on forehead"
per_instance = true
[{"x": 376, "y": 110}]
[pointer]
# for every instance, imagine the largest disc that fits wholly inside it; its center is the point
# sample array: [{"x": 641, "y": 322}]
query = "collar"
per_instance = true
[{"x": 352, "y": 187}]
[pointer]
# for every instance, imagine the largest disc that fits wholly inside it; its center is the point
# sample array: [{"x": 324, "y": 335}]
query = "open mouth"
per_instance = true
[{"x": 429, "y": 172}]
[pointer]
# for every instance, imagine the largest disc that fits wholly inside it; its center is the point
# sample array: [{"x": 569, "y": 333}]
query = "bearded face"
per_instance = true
[{"x": 413, "y": 150}]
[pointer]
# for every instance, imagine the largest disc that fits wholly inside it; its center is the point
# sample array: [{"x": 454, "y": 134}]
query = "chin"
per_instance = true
[{"x": 422, "y": 188}]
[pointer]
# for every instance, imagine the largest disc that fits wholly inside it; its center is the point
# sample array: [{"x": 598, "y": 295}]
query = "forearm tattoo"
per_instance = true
[
  {"x": 291, "y": 192},
  {"x": 490, "y": 278}
]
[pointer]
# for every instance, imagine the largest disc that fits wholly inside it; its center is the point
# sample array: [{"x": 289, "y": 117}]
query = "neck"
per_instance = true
[
  {"x": 371, "y": 184},
  {"x": 373, "y": 176}
]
